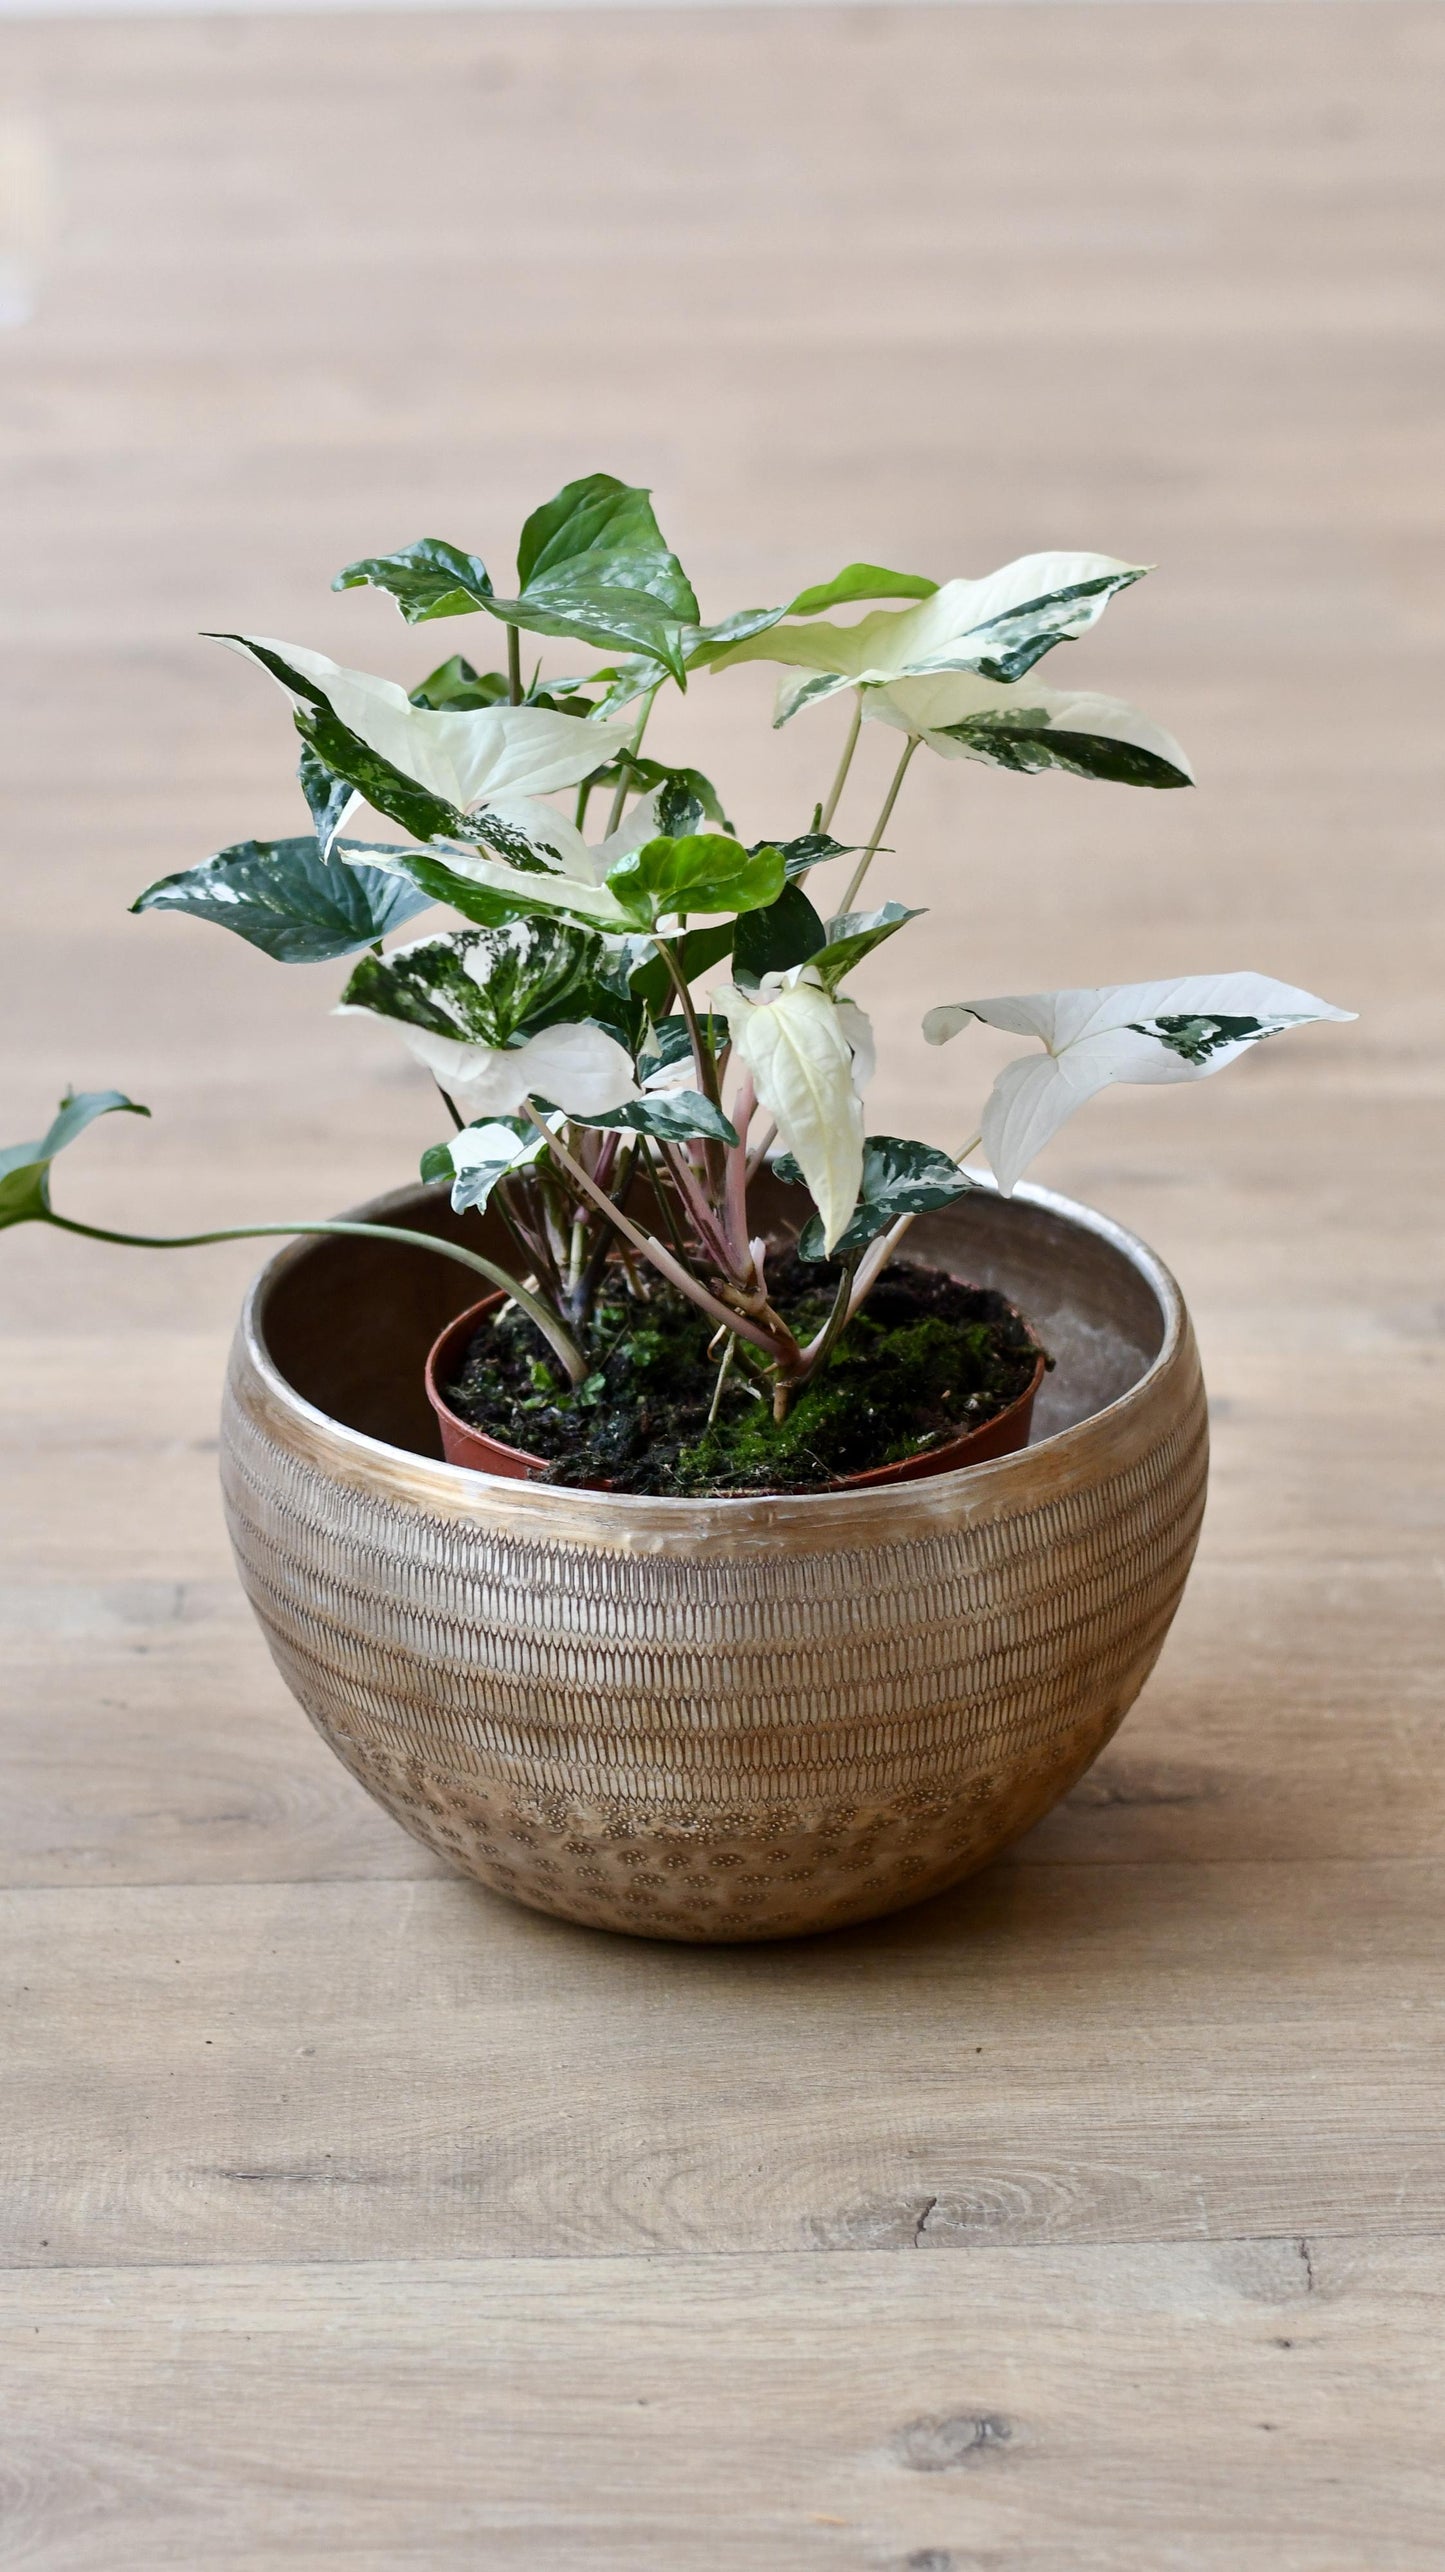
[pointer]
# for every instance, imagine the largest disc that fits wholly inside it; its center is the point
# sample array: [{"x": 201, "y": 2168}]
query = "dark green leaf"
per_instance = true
[
  {"x": 700, "y": 948},
  {"x": 483, "y": 986},
  {"x": 608, "y": 526},
  {"x": 1026, "y": 742},
  {"x": 285, "y": 898},
  {"x": 426, "y": 579},
  {"x": 437, "y": 1163},
  {"x": 787, "y": 933},
  {"x": 674, "y": 1115},
  {"x": 705, "y": 872},
  {"x": 854, "y": 935},
  {"x": 25, "y": 1167},
  {"x": 899, "y": 1178},
  {"x": 490, "y": 908}
]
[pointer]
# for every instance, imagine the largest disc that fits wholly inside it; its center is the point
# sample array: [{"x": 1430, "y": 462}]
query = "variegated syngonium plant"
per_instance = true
[{"x": 650, "y": 994}]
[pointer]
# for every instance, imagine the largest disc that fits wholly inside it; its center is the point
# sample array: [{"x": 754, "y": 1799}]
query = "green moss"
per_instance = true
[{"x": 924, "y": 1360}]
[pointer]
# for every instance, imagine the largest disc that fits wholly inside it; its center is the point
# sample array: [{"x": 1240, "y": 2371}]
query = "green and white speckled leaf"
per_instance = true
[
  {"x": 899, "y": 1178},
  {"x": 674, "y": 1116},
  {"x": 285, "y": 898},
  {"x": 483, "y": 986},
  {"x": 25, "y": 1167}
]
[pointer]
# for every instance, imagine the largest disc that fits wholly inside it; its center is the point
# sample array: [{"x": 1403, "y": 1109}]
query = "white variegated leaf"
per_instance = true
[
  {"x": 797, "y": 1049},
  {"x": 577, "y": 1068},
  {"x": 1180, "y": 1030},
  {"x": 1000, "y": 625},
  {"x": 482, "y": 1154},
  {"x": 1030, "y": 727},
  {"x": 477, "y": 757}
]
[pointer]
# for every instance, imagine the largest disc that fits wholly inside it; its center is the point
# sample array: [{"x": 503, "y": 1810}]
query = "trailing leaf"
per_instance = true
[
  {"x": 283, "y": 897},
  {"x": 25, "y": 1167},
  {"x": 705, "y": 872},
  {"x": 899, "y": 1178}
]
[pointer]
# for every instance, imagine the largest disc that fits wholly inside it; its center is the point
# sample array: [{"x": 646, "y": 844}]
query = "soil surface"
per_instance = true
[{"x": 925, "y": 1360}]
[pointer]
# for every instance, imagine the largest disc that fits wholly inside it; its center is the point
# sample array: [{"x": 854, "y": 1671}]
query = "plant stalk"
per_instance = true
[
  {"x": 620, "y": 798},
  {"x": 514, "y": 665},
  {"x": 881, "y": 825},
  {"x": 661, "y": 1258},
  {"x": 845, "y": 763}
]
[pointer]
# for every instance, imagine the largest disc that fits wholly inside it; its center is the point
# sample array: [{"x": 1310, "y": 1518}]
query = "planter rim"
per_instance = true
[{"x": 632, "y": 1522}]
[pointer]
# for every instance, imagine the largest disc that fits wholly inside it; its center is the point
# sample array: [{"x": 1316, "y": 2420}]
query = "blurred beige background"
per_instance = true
[{"x": 933, "y": 287}]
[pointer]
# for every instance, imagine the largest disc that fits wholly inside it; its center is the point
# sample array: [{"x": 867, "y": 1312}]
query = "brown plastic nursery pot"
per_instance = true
[
  {"x": 464, "y": 1444},
  {"x": 715, "y": 1719}
]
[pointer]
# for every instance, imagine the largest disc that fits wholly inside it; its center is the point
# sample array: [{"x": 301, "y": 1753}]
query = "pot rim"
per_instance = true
[{"x": 610, "y": 1519}]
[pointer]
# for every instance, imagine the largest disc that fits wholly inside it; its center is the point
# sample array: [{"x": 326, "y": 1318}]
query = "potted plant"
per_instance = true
[{"x": 736, "y": 1603}]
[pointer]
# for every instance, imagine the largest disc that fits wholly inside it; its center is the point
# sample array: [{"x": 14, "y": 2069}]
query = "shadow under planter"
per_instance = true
[{"x": 715, "y": 1719}]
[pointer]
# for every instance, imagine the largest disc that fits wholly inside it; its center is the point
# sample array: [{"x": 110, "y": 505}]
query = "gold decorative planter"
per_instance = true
[{"x": 727, "y": 1719}]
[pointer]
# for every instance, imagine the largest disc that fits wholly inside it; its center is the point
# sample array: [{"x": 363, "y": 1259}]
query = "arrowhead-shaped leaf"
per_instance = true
[
  {"x": 705, "y": 871},
  {"x": 285, "y": 898},
  {"x": 25, "y": 1167}
]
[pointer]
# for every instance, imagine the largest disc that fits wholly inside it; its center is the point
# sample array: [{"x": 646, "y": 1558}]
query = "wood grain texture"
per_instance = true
[{"x": 348, "y": 2214}]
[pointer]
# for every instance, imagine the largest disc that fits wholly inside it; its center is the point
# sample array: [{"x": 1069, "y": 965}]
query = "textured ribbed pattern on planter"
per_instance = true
[{"x": 737, "y": 1719}]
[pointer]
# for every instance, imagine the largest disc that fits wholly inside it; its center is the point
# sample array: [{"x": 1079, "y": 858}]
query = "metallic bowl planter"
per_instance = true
[{"x": 726, "y": 1719}]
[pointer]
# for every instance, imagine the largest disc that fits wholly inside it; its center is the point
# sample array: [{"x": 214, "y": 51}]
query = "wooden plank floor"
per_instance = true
[{"x": 1091, "y": 2219}]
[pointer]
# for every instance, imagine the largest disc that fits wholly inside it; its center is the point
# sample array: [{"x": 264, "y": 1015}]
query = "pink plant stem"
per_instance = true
[
  {"x": 661, "y": 1258},
  {"x": 744, "y": 1110},
  {"x": 689, "y": 1185}
]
